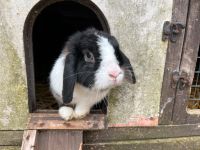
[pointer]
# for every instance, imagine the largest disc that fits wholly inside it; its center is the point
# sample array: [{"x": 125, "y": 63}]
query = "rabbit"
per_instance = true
[{"x": 90, "y": 64}]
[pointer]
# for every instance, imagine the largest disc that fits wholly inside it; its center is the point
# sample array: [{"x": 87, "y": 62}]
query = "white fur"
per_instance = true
[
  {"x": 108, "y": 64},
  {"x": 56, "y": 78},
  {"x": 66, "y": 112},
  {"x": 84, "y": 98}
]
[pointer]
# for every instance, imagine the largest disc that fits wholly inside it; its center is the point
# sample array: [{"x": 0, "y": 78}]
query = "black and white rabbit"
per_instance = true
[{"x": 90, "y": 64}]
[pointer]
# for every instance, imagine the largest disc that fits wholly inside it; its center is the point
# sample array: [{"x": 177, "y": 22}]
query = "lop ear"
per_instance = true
[
  {"x": 69, "y": 78},
  {"x": 126, "y": 65}
]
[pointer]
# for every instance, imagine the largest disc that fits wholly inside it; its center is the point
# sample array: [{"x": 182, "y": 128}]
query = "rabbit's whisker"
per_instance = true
[
  {"x": 78, "y": 73},
  {"x": 81, "y": 73}
]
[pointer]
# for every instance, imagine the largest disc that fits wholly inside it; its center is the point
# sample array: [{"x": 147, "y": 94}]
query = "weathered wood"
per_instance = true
[
  {"x": 28, "y": 49},
  {"x": 53, "y": 121},
  {"x": 11, "y": 138},
  {"x": 173, "y": 58},
  {"x": 140, "y": 133},
  {"x": 138, "y": 122},
  {"x": 188, "y": 63},
  {"x": 189, "y": 143},
  {"x": 9, "y": 147},
  {"x": 59, "y": 140},
  {"x": 29, "y": 140},
  {"x": 118, "y": 134}
]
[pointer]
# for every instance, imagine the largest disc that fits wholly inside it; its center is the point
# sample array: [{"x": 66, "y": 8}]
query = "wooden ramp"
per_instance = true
[
  {"x": 47, "y": 131},
  {"x": 52, "y": 140}
]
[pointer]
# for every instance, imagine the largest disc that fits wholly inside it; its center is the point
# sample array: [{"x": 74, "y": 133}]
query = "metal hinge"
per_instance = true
[
  {"x": 171, "y": 31},
  {"x": 180, "y": 80}
]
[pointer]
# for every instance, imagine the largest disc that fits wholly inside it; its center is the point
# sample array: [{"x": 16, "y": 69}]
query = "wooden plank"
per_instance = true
[
  {"x": 28, "y": 49},
  {"x": 11, "y": 138},
  {"x": 9, "y": 147},
  {"x": 138, "y": 122},
  {"x": 53, "y": 121},
  {"x": 189, "y": 143},
  {"x": 59, "y": 140},
  {"x": 173, "y": 58},
  {"x": 29, "y": 140},
  {"x": 188, "y": 63},
  {"x": 140, "y": 133}
]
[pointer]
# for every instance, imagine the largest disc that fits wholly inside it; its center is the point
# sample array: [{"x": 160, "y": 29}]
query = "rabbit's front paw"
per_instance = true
[
  {"x": 80, "y": 112},
  {"x": 66, "y": 112},
  {"x": 79, "y": 116}
]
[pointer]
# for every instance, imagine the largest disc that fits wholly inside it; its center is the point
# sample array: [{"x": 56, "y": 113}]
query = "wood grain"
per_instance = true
[
  {"x": 59, "y": 140},
  {"x": 53, "y": 121},
  {"x": 140, "y": 133},
  {"x": 188, "y": 63},
  {"x": 188, "y": 143},
  {"x": 9, "y": 147},
  {"x": 173, "y": 58},
  {"x": 29, "y": 140}
]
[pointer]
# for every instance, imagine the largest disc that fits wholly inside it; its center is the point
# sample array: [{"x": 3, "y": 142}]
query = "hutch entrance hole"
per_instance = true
[{"x": 47, "y": 28}]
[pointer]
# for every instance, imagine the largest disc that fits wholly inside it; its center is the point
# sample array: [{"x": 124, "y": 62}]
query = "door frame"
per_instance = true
[{"x": 181, "y": 57}]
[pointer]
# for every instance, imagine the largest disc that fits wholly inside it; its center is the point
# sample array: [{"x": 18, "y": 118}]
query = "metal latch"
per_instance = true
[
  {"x": 171, "y": 31},
  {"x": 175, "y": 79},
  {"x": 180, "y": 80}
]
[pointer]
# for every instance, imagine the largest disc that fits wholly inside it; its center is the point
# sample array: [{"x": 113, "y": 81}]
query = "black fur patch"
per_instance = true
[{"x": 77, "y": 44}]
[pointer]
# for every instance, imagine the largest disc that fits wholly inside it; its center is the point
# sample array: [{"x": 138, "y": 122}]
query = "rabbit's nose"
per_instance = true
[{"x": 114, "y": 74}]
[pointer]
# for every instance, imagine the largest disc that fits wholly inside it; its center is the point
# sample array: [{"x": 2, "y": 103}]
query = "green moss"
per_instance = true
[{"x": 13, "y": 89}]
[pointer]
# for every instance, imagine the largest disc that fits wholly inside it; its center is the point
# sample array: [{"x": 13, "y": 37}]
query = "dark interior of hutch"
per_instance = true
[{"x": 51, "y": 30}]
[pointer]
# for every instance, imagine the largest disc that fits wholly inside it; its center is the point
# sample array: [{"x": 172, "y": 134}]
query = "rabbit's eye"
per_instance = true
[{"x": 89, "y": 57}]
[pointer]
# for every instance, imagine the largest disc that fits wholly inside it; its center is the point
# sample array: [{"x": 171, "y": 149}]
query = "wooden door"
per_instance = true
[
  {"x": 181, "y": 113},
  {"x": 181, "y": 58}
]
